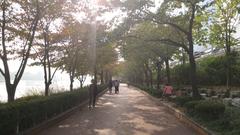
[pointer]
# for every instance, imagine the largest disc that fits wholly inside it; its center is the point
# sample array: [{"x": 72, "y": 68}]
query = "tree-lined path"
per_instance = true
[{"x": 128, "y": 113}]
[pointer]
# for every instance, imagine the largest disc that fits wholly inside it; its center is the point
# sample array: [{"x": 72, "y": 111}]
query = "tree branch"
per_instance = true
[
  {"x": 54, "y": 73},
  {"x": 170, "y": 42},
  {"x": 1, "y": 71},
  {"x": 155, "y": 19},
  {"x": 172, "y": 25}
]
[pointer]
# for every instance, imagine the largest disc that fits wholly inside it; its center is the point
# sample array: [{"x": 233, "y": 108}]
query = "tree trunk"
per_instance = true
[
  {"x": 11, "y": 89},
  {"x": 192, "y": 62},
  {"x": 151, "y": 78},
  {"x": 101, "y": 77},
  {"x": 167, "y": 70},
  {"x": 47, "y": 89},
  {"x": 193, "y": 75},
  {"x": 106, "y": 77},
  {"x": 71, "y": 75},
  {"x": 82, "y": 79},
  {"x": 228, "y": 55},
  {"x": 158, "y": 75},
  {"x": 81, "y": 83},
  {"x": 45, "y": 78},
  {"x": 45, "y": 64},
  {"x": 183, "y": 58},
  {"x": 146, "y": 78},
  {"x": 149, "y": 73}
]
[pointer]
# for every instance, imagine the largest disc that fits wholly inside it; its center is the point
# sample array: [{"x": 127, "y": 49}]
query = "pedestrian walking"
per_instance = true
[
  {"x": 167, "y": 91},
  {"x": 92, "y": 93},
  {"x": 110, "y": 84},
  {"x": 116, "y": 85}
]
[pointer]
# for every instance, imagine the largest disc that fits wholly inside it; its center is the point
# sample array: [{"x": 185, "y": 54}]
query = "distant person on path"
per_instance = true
[
  {"x": 116, "y": 85},
  {"x": 167, "y": 91},
  {"x": 92, "y": 94},
  {"x": 110, "y": 84}
]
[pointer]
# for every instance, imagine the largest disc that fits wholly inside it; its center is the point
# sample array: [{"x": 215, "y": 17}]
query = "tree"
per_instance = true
[
  {"x": 150, "y": 55},
  {"x": 183, "y": 23},
  {"x": 106, "y": 58},
  {"x": 17, "y": 25},
  {"x": 106, "y": 55},
  {"x": 76, "y": 39},
  {"x": 45, "y": 48},
  {"x": 223, "y": 20},
  {"x": 82, "y": 66}
]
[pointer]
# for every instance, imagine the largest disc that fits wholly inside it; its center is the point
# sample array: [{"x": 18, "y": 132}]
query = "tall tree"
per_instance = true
[
  {"x": 76, "y": 41},
  {"x": 17, "y": 23},
  {"x": 223, "y": 19},
  {"x": 149, "y": 55},
  {"x": 45, "y": 48},
  {"x": 180, "y": 15}
]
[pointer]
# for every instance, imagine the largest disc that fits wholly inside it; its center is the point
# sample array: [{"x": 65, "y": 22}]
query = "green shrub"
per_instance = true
[
  {"x": 183, "y": 99},
  {"x": 28, "y": 112},
  {"x": 154, "y": 92},
  {"x": 209, "y": 109},
  {"x": 190, "y": 106}
]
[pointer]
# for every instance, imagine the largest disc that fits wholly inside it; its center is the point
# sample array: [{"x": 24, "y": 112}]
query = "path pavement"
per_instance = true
[{"x": 128, "y": 113}]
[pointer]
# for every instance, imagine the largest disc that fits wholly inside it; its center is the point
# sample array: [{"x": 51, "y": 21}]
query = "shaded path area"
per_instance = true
[{"x": 128, "y": 113}]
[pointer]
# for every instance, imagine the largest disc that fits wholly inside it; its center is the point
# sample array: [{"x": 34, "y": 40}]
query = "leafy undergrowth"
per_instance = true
[
  {"x": 214, "y": 115},
  {"x": 227, "y": 124}
]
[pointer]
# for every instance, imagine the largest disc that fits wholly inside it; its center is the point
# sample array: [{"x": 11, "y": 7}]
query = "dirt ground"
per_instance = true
[{"x": 128, "y": 113}]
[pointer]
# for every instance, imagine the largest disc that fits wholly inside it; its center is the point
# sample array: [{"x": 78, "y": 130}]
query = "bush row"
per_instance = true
[
  {"x": 220, "y": 118},
  {"x": 30, "y": 111},
  {"x": 213, "y": 114},
  {"x": 205, "y": 109}
]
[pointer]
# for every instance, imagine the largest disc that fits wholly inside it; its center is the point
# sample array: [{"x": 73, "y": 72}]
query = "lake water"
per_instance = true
[{"x": 29, "y": 87}]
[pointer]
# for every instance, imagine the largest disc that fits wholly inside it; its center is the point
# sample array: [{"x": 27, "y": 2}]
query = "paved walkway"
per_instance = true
[{"x": 127, "y": 113}]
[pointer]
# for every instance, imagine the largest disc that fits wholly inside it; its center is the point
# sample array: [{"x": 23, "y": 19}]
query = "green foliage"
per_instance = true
[
  {"x": 210, "y": 109},
  {"x": 180, "y": 74},
  {"x": 227, "y": 124},
  {"x": 190, "y": 106},
  {"x": 210, "y": 71},
  {"x": 30, "y": 111},
  {"x": 182, "y": 100}
]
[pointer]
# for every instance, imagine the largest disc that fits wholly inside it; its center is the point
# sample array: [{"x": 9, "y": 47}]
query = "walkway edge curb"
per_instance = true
[
  {"x": 179, "y": 115},
  {"x": 46, "y": 124}
]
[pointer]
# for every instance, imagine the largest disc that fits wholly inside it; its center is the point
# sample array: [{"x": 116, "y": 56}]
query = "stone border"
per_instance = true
[
  {"x": 179, "y": 115},
  {"x": 53, "y": 121}
]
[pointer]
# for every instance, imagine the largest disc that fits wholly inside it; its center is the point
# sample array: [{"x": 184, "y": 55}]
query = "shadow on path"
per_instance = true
[{"x": 127, "y": 113}]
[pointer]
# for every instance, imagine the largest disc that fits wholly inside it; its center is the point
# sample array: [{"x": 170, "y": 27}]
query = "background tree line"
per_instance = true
[
  {"x": 152, "y": 38},
  {"x": 55, "y": 37}
]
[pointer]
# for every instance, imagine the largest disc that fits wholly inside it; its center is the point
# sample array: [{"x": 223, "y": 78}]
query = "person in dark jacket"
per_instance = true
[
  {"x": 110, "y": 85},
  {"x": 92, "y": 93},
  {"x": 116, "y": 85}
]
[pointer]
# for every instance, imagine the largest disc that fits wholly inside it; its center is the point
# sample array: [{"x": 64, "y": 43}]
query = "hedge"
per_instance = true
[
  {"x": 27, "y": 112},
  {"x": 210, "y": 109},
  {"x": 183, "y": 100}
]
